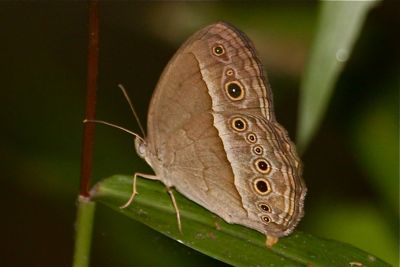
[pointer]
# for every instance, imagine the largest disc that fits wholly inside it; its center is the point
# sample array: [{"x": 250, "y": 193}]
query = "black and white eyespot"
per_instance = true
[
  {"x": 252, "y": 138},
  {"x": 264, "y": 207},
  {"x": 218, "y": 50},
  {"x": 261, "y": 186},
  {"x": 265, "y": 219},
  {"x": 234, "y": 90},
  {"x": 258, "y": 150},
  {"x": 262, "y": 165},
  {"x": 239, "y": 124}
]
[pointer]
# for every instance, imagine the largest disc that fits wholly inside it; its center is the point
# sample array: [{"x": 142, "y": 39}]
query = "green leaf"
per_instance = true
[
  {"x": 209, "y": 234},
  {"x": 339, "y": 25}
]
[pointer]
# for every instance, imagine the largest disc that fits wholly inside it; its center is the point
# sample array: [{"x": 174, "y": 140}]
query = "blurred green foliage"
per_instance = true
[
  {"x": 351, "y": 166},
  {"x": 339, "y": 25}
]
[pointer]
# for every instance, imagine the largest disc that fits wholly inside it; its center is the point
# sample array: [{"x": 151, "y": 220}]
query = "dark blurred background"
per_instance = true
[{"x": 351, "y": 166}]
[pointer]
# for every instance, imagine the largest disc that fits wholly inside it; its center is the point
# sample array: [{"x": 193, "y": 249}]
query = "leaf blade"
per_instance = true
[
  {"x": 209, "y": 234},
  {"x": 339, "y": 25}
]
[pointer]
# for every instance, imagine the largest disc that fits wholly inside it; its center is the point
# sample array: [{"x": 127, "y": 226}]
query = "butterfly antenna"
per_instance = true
[
  {"x": 131, "y": 106},
  {"x": 114, "y": 126}
]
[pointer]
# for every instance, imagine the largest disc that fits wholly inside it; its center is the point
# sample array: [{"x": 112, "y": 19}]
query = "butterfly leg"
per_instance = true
[
  {"x": 178, "y": 215},
  {"x": 271, "y": 240},
  {"x": 134, "y": 192}
]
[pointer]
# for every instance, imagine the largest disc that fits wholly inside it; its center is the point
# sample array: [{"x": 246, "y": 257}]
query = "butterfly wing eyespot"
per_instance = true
[
  {"x": 261, "y": 186},
  {"x": 229, "y": 72},
  {"x": 258, "y": 150},
  {"x": 218, "y": 50},
  {"x": 262, "y": 166},
  {"x": 252, "y": 138},
  {"x": 264, "y": 207},
  {"x": 239, "y": 124},
  {"x": 234, "y": 90},
  {"x": 265, "y": 219}
]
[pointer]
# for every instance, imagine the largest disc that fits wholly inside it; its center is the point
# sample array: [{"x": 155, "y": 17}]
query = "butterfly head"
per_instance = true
[{"x": 140, "y": 146}]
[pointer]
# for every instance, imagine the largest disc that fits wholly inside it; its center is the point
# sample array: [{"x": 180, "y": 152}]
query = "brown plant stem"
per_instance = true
[
  {"x": 88, "y": 128},
  {"x": 86, "y": 207}
]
